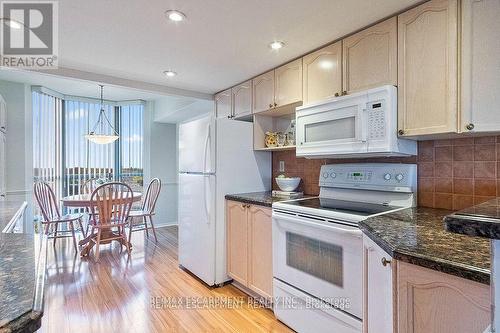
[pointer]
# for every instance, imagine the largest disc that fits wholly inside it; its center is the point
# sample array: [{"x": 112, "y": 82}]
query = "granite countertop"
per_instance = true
[
  {"x": 417, "y": 236},
  {"x": 482, "y": 220},
  {"x": 22, "y": 276},
  {"x": 256, "y": 198}
]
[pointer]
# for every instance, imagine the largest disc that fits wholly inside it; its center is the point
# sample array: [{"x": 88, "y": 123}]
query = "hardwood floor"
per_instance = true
[{"x": 121, "y": 295}]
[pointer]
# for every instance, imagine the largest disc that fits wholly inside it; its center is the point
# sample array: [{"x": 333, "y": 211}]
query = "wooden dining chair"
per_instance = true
[
  {"x": 111, "y": 202},
  {"x": 51, "y": 215},
  {"x": 87, "y": 187},
  {"x": 147, "y": 211}
]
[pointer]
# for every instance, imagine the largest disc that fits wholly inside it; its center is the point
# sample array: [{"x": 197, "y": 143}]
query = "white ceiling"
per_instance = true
[{"x": 223, "y": 42}]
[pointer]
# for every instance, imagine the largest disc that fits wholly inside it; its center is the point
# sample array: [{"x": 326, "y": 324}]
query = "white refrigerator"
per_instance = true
[{"x": 216, "y": 158}]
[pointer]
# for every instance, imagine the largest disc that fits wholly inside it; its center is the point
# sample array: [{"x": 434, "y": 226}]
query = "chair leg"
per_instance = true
[
  {"x": 128, "y": 244},
  {"x": 130, "y": 231},
  {"x": 55, "y": 233},
  {"x": 98, "y": 241},
  {"x": 145, "y": 221},
  {"x": 84, "y": 232},
  {"x": 72, "y": 227},
  {"x": 153, "y": 227}
]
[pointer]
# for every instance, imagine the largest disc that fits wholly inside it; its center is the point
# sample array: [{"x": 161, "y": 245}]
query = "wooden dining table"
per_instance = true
[{"x": 83, "y": 201}]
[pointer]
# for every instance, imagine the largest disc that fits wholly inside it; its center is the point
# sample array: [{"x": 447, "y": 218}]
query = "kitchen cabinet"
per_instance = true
[
  {"x": 427, "y": 69},
  {"x": 223, "y": 104},
  {"x": 480, "y": 53},
  {"x": 322, "y": 73},
  {"x": 279, "y": 87},
  {"x": 249, "y": 247},
  {"x": 288, "y": 83},
  {"x": 406, "y": 298},
  {"x": 370, "y": 57},
  {"x": 242, "y": 99},
  {"x": 237, "y": 246},
  {"x": 263, "y": 92},
  {"x": 260, "y": 278},
  {"x": 431, "y": 301},
  {"x": 378, "y": 296}
]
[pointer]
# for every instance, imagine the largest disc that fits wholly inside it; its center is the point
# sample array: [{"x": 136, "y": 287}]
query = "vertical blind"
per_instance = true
[{"x": 65, "y": 159}]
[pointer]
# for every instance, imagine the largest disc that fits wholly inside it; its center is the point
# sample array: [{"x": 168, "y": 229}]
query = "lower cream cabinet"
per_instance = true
[
  {"x": 249, "y": 246},
  {"x": 406, "y": 298}
]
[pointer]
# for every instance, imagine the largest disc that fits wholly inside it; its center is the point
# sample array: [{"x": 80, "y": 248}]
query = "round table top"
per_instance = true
[{"x": 83, "y": 200}]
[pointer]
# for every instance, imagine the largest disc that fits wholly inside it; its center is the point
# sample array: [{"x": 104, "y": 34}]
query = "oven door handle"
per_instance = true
[{"x": 352, "y": 232}]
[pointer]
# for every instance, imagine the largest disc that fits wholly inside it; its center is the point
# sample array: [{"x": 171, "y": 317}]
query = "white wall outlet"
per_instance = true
[{"x": 282, "y": 166}]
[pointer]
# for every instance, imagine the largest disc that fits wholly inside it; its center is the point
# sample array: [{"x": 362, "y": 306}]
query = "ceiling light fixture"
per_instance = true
[
  {"x": 276, "y": 45},
  {"x": 170, "y": 73},
  {"x": 102, "y": 138},
  {"x": 175, "y": 15}
]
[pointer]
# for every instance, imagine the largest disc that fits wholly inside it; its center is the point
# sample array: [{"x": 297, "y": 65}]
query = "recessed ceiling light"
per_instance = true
[
  {"x": 175, "y": 15},
  {"x": 169, "y": 73},
  {"x": 276, "y": 45}
]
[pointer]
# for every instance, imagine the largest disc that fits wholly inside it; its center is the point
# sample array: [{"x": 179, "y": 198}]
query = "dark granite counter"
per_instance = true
[
  {"x": 22, "y": 276},
  {"x": 256, "y": 198},
  {"x": 482, "y": 220},
  {"x": 417, "y": 236}
]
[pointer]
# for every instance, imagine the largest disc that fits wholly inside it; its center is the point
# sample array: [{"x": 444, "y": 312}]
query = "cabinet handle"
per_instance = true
[
  {"x": 470, "y": 126},
  {"x": 385, "y": 262},
  {"x": 337, "y": 94},
  {"x": 401, "y": 132}
]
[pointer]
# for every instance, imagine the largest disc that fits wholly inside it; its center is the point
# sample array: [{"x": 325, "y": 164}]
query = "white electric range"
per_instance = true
[{"x": 317, "y": 245}]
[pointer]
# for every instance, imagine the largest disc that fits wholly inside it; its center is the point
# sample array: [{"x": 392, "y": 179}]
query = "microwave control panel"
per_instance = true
[{"x": 376, "y": 120}]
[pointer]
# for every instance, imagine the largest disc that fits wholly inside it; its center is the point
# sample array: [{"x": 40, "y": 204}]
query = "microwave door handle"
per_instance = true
[{"x": 364, "y": 124}]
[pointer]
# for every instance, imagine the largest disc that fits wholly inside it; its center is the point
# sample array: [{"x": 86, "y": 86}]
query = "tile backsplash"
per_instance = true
[{"x": 452, "y": 174}]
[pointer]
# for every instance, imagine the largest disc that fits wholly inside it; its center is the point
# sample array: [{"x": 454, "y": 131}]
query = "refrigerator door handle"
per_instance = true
[
  {"x": 205, "y": 150},
  {"x": 207, "y": 212}
]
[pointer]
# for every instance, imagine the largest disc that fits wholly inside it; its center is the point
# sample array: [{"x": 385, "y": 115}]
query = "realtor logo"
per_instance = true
[{"x": 29, "y": 34}]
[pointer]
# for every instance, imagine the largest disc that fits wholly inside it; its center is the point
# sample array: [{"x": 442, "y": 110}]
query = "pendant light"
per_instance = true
[{"x": 101, "y": 138}]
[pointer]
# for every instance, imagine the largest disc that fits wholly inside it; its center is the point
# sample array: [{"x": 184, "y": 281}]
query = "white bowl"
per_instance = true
[{"x": 288, "y": 184}]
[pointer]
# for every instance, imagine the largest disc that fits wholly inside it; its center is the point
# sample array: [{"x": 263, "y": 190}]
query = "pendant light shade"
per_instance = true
[{"x": 102, "y": 138}]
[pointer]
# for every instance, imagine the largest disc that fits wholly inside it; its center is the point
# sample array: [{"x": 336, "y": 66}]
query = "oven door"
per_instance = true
[
  {"x": 320, "y": 258},
  {"x": 335, "y": 127}
]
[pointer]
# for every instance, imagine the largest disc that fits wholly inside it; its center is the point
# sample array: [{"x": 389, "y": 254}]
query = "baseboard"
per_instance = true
[{"x": 159, "y": 225}]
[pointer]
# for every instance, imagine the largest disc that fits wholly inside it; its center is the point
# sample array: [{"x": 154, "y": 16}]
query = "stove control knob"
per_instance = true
[
  {"x": 399, "y": 177},
  {"x": 387, "y": 176},
  {"x": 325, "y": 174},
  {"x": 333, "y": 175}
]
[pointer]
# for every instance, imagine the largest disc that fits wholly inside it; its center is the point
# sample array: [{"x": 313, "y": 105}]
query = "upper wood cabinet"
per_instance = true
[
  {"x": 263, "y": 92},
  {"x": 288, "y": 83},
  {"x": 480, "y": 84},
  {"x": 242, "y": 99},
  {"x": 223, "y": 104},
  {"x": 322, "y": 73},
  {"x": 237, "y": 246},
  {"x": 427, "y": 69},
  {"x": 260, "y": 277},
  {"x": 370, "y": 57},
  {"x": 431, "y": 301}
]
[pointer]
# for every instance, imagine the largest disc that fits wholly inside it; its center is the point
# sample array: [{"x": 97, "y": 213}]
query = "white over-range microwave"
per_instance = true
[{"x": 362, "y": 124}]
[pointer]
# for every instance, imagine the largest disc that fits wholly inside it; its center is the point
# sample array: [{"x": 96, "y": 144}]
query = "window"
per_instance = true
[{"x": 65, "y": 159}]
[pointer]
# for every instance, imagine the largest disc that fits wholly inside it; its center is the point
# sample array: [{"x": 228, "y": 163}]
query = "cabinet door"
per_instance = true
[
  {"x": 288, "y": 83},
  {"x": 242, "y": 99},
  {"x": 260, "y": 277},
  {"x": 237, "y": 245},
  {"x": 431, "y": 301},
  {"x": 263, "y": 92},
  {"x": 3, "y": 165},
  {"x": 378, "y": 300},
  {"x": 370, "y": 57},
  {"x": 480, "y": 66},
  {"x": 322, "y": 73},
  {"x": 223, "y": 105},
  {"x": 3, "y": 115},
  {"x": 427, "y": 68}
]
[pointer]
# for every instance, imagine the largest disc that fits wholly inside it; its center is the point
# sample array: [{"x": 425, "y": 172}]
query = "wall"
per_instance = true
[
  {"x": 452, "y": 174},
  {"x": 19, "y": 147},
  {"x": 160, "y": 155}
]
